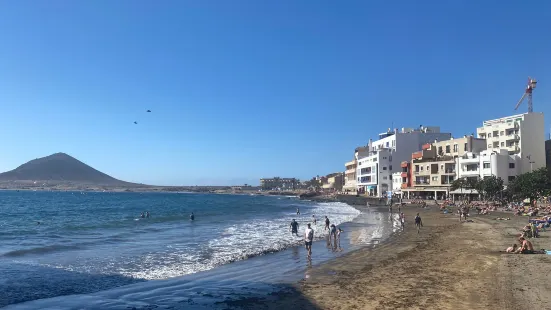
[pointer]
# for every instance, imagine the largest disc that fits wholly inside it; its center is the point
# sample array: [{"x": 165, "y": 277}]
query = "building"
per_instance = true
[
  {"x": 522, "y": 136},
  {"x": 350, "y": 176},
  {"x": 278, "y": 183},
  {"x": 548, "y": 154},
  {"x": 491, "y": 162},
  {"x": 397, "y": 183},
  {"x": 333, "y": 182},
  {"x": 433, "y": 168},
  {"x": 377, "y": 161}
]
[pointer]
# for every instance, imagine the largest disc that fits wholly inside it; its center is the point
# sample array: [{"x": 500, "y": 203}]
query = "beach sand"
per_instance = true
[{"x": 449, "y": 265}]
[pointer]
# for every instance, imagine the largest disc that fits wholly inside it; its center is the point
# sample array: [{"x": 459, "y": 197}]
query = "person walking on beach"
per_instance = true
[
  {"x": 308, "y": 239},
  {"x": 402, "y": 220},
  {"x": 326, "y": 223},
  {"x": 418, "y": 222},
  {"x": 294, "y": 227}
]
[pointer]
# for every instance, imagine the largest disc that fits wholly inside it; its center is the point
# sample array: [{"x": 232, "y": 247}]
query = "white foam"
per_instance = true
[{"x": 239, "y": 242}]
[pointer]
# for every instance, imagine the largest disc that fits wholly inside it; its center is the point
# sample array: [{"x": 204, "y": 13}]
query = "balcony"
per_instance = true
[
  {"x": 404, "y": 175},
  {"x": 513, "y": 137},
  {"x": 349, "y": 171},
  {"x": 422, "y": 182},
  {"x": 449, "y": 170},
  {"x": 416, "y": 172},
  {"x": 466, "y": 172},
  {"x": 466, "y": 161}
]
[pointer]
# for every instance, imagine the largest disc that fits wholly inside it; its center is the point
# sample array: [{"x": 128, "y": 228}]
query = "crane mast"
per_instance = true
[{"x": 528, "y": 95}]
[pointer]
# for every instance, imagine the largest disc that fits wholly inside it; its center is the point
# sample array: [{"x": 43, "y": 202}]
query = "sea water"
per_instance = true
[{"x": 55, "y": 244}]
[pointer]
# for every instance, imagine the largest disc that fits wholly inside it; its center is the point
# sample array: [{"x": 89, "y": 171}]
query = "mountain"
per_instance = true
[{"x": 62, "y": 168}]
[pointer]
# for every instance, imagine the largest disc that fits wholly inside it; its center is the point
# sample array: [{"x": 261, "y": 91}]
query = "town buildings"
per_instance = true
[
  {"x": 333, "y": 182},
  {"x": 377, "y": 161},
  {"x": 521, "y": 135},
  {"x": 433, "y": 169},
  {"x": 277, "y": 183},
  {"x": 350, "y": 176}
]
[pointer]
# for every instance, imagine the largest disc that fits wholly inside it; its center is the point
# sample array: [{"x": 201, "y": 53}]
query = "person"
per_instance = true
[
  {"x": 294, "y": 227},
  {"x": 333, "y": 231},
  {"x": 308, "y": 239},
  {"x": 512, "y": 249},
  {"x": 526, "y": 246},
  {"x": 298, "y": 211},
  {"x": 402, "y": 220},
  {"x": 418, "y": 222},
  {"x": 192, "y": 217},
  {"x": 326, "y": 223},
  {"x": 142, "y": 215},
  {"x": 314, "y": 219},
  {"x": 147, "y": 215}
]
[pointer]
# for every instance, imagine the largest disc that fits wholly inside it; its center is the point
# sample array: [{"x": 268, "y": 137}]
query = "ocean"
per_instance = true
[{"x": 73, "y": 250}]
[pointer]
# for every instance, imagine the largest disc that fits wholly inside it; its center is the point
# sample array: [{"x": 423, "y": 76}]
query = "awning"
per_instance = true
[{"x": 465, "y": 191}]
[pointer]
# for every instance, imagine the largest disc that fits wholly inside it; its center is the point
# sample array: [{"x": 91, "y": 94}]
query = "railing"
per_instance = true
[
  {"x": 449, "y": 170},
  {"x": 416, "y": 172},
  {"x": 422, "y": 182}
]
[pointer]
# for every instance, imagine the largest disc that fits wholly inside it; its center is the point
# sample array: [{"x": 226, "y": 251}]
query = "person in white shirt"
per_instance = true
[{"x": 308, "y": 238}]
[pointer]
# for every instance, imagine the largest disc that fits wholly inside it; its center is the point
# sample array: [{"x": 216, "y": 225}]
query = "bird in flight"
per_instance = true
[
  {"x": 135, "y": 122},
  {"x": 148, "y": 110}
]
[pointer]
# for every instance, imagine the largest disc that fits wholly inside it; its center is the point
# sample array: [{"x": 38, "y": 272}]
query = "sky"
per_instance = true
[{"x": 245, "y": 89}]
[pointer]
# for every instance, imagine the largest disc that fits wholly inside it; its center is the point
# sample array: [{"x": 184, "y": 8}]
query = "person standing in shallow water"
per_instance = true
[
  {"x": 308, "y": 239},
  {"x": 326, "y": 223},
  {"x": 192, "y": 217},
  {"x": 294, "y": 227}
]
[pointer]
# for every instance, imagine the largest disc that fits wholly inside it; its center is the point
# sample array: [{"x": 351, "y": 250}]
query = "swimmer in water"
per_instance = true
[
  {"x": 314, "y": 219},
  {"x": 192, "y": 217},
  {"x": 298, "y": 211},
  {"x": 142, "y": 215},
  {"x": 147, "y": 214}
]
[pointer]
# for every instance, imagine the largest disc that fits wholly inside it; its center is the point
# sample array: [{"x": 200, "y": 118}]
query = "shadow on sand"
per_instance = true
[{"x": 47, "y": 288}]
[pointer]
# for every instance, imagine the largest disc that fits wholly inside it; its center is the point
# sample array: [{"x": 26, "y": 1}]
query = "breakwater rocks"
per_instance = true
[{"x": 348, "y": 199}]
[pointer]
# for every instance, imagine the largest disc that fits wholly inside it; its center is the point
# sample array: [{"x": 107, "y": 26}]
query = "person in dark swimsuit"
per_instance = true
[
  {"x": 192, "y": 217},
  {"x": 326, "y": 223},
  {"x": 294, "y": 227}
]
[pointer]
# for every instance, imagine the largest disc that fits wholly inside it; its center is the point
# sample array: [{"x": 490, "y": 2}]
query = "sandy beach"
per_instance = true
[{"x": 449, "y": 265}]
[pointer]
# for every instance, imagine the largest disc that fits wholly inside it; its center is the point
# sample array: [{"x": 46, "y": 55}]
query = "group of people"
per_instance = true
[
  {"x": 145, "y": 215},
  {"x": 334, "y": 232}
]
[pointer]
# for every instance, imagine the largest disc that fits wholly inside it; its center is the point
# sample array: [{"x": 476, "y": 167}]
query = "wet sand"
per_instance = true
[{"x": 449, "y": 265}]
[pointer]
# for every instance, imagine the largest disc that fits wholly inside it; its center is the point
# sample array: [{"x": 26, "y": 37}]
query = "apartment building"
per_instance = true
[
  {"x": 548, "y": 155},
  {"x": 350, "y": 175},
  {"x": 434, "y": 168},
  {"x": 397, "y": 183},
  {"x": 377, "y": 161},
  {"x": 333, "y": 181},
  {"x": 487, "y": 163},
  {"x": 277, "y": 183},
  {"x": 522, "y": 136}
]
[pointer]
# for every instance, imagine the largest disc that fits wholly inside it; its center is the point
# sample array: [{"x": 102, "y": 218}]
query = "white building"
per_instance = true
[
  {"x": 397, "y": 182},
  {"x": 495, "y": 162},
  {"x": 377, "y": 161},
  {"x": 522, "y": 136}
]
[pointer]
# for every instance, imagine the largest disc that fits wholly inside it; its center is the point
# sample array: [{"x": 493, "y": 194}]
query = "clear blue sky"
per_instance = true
[{"x": 246, "y": 89}]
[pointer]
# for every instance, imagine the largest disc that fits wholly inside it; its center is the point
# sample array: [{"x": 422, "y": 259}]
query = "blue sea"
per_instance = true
[{"x": 88, "y": 250}]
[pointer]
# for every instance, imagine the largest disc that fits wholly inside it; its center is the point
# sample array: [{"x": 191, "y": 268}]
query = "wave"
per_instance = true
[
  {"x": 41, "y": 250},
  {"x": 240, "y": 242}
]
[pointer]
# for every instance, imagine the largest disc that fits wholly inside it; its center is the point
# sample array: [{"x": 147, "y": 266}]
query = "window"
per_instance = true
[
  {"x": 435, "y": 178},
  {"x": 465, "y": 147},
  {"x": 486, "y": 166},
  {"x": 384, "y": 178},
  {"x": 502, "y": 143},
  {"x": 489, "y": 135},
  {"x": 384, "y": 168},
  {"x": 511, "y": 165},
  {"x": 439, "y": 150},
  {"x": 421, "y": 168},
  {"x": 384, "y": 157},
  {"x": 455, "y": 148},
  {"x": 393, "y": 142},
  {"x": 489, "y": 146},
  {"x": 511, "y": 178},
  {"x": 447, "y": 149},
  {"x": 387, "y": 144},
  {"x": 501, "y": 133},
  {"x": 416, "y": 168},
  {"x": 390, "y": 167},
  {"x": 389, "y": 158}
]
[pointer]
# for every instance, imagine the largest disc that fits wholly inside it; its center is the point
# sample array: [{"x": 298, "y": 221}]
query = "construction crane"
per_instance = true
[{"x": 528, "y": 93}]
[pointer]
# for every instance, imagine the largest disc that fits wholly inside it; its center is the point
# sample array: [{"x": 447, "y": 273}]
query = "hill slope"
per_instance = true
[{"x": 60, "y": 167}]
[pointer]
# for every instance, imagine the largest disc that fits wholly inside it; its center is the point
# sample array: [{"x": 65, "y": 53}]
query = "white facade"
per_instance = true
[
  {"x": 487, "y": 163},
  {"x": 396, "y": 182},
  {"x": 522, "y": 136},
  {"x": 380, "y": 159}
]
